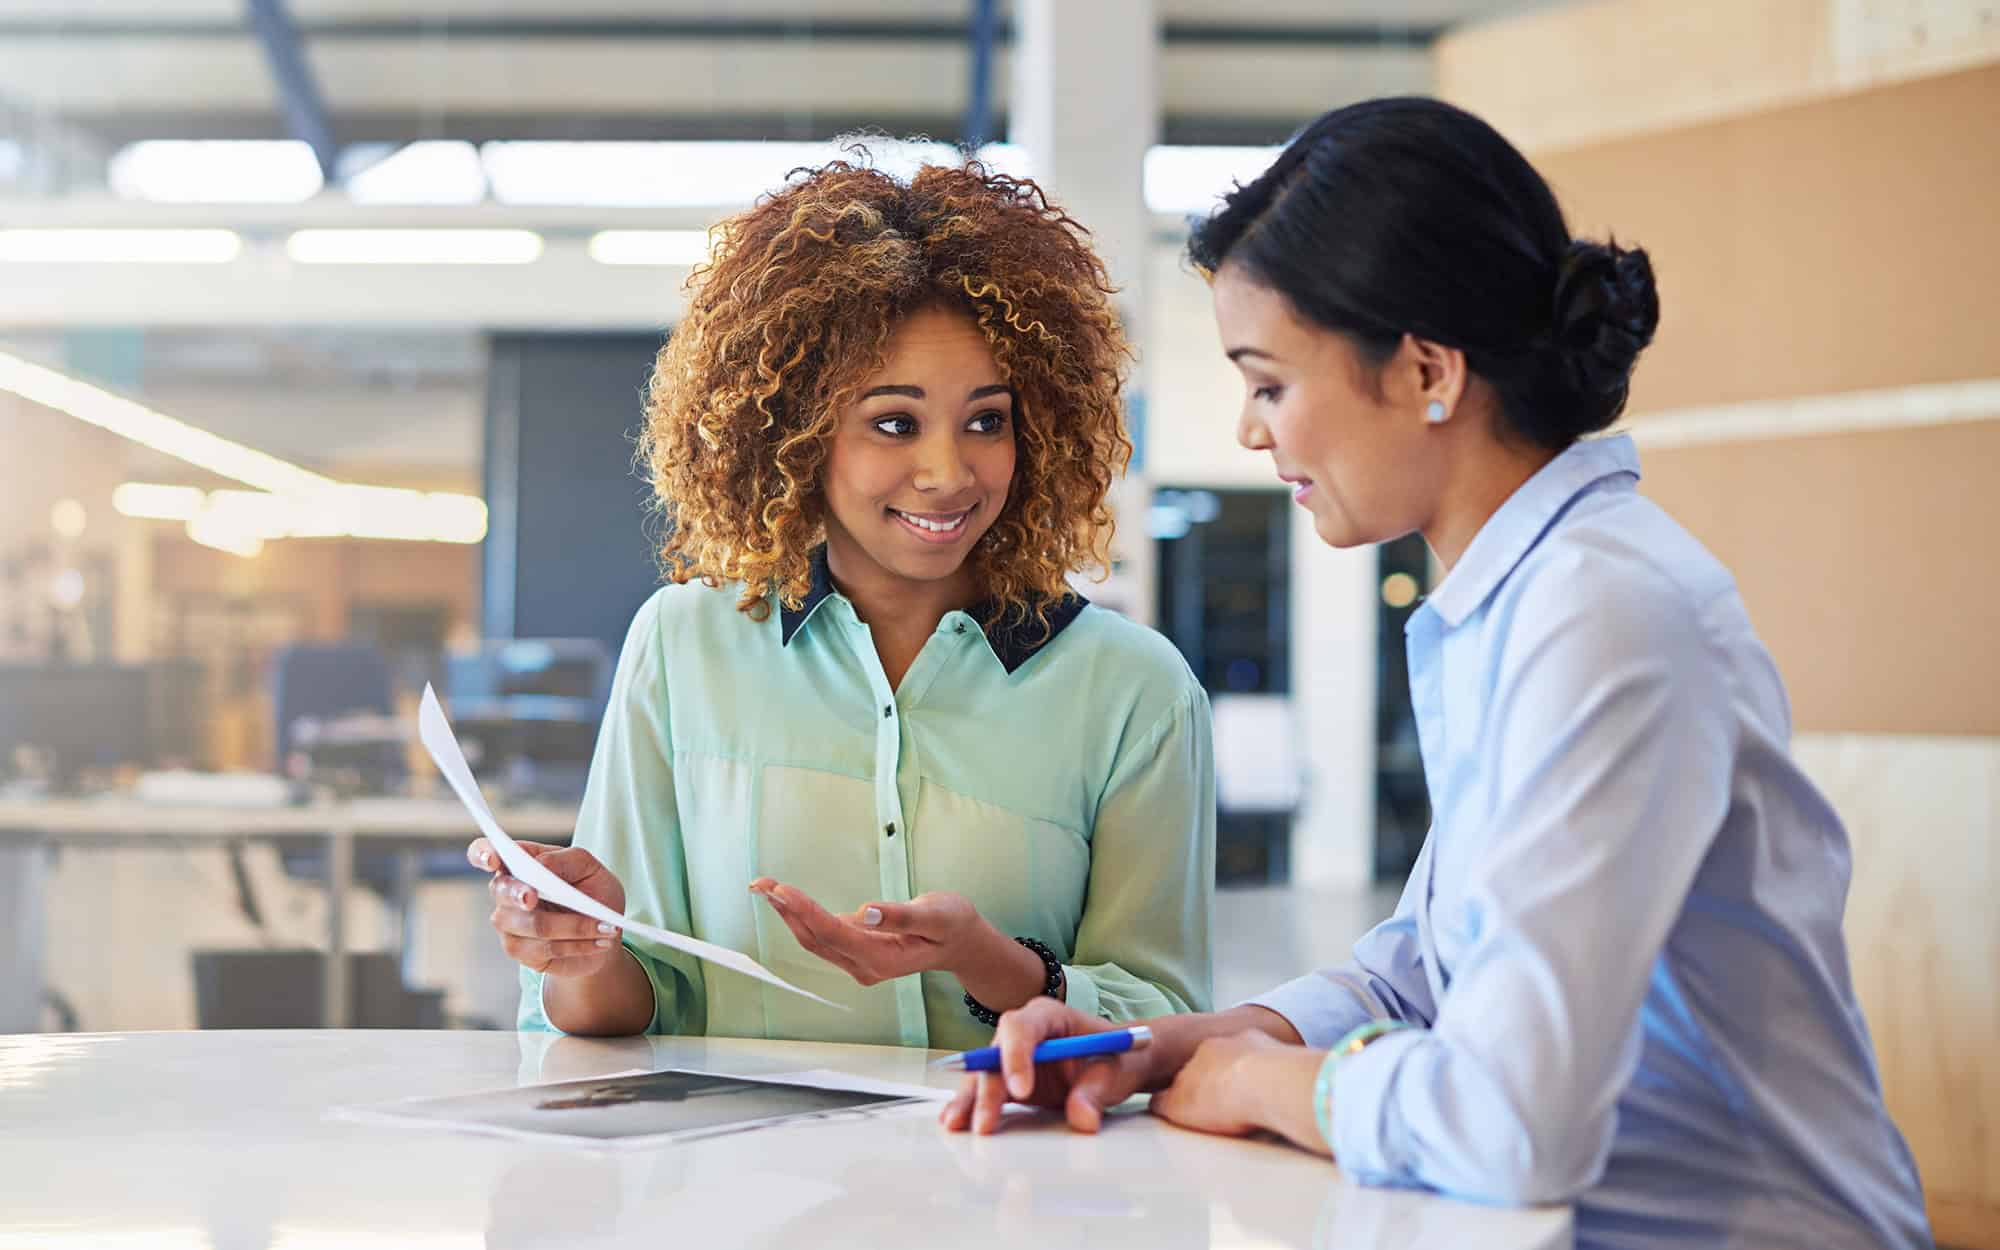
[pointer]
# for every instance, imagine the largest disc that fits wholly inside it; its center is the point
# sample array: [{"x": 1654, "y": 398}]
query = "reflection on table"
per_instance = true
[{"x": 220, "y": 1139}]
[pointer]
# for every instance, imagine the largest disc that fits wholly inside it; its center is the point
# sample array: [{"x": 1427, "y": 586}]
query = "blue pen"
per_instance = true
[{"x": 1113, "y": 1042}]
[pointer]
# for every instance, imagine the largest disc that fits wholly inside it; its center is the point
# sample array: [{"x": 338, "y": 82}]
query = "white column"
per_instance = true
[
  {"x": 1083, "y": 104},
  {"x": 1334, "y": 596}
]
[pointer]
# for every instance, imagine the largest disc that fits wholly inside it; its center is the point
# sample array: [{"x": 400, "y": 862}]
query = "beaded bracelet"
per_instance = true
[
  {"x": 1352, "y": 1044},
  {"x": 1052, "y": 985}
]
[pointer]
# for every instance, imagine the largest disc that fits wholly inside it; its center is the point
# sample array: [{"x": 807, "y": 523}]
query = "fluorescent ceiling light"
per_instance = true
[
  {"x": 439, "y": 171},
  {"x": 691, "y": 174},
  {"x": 1194, "y": 179},
  {"x": 147, "y": 501},
  {"x": 381, "y": 512},
  {"x": 290, "y": 502},
  {"x": 130, "y": 419},
  {"x": 642, "y": 173},
  {"x": 342, "y": 510},
  {"x": 210, "y": 533},
  {"x": 216, "y": 171},
  {"x": 649, "y": 247},
  {"x": 1007, "y": 158},
  {"x": 414, "y": 247},
  {"x": 250, "y": 514},
  {"x": 119, "y": 247}
]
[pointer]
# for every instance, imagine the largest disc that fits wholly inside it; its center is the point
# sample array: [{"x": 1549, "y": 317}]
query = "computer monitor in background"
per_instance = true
[
  {"x": 77, "y": 718},
  {"x": 527, "y": 710},
  {"x": 568, "y": 668},
  {"x": 540, "y": 668}
]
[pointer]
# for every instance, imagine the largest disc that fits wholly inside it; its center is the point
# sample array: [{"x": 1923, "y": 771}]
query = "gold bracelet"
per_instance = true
[{"x": 1355, "y": 1041}]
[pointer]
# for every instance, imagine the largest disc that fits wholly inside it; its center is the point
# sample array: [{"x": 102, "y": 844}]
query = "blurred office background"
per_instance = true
[{"x": 323, "y": 325}]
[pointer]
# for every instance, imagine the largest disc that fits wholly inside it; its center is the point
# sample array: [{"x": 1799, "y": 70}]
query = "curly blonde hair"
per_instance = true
[{"x": 793, "y": 313}]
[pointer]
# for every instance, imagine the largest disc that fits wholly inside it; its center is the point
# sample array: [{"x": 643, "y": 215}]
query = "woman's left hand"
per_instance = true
[
  {"x": 939, "y": 931},
  {"x": 1244, "y": 1082}
]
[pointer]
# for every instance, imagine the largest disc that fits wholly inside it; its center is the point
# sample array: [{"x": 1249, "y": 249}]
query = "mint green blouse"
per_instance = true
[{"x": 1064, "y": 785}]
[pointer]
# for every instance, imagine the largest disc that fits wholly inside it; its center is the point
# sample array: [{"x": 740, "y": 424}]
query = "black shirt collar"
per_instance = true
[{"x": 1014, "y": 639}]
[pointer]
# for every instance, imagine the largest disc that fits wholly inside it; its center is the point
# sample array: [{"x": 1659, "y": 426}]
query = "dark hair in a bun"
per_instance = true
[{"x": 1408, "y": 215}]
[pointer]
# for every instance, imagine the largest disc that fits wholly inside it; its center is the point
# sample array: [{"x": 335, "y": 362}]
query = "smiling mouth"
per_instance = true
[{"x": 935, "y": 527}]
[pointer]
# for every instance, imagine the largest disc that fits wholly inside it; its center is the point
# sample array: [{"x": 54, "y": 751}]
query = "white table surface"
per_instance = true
[{"x": 218, "y": 1140}]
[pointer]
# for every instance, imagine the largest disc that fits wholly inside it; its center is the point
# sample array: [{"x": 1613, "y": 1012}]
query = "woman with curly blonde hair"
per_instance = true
[{"x": 868, "y": 735}]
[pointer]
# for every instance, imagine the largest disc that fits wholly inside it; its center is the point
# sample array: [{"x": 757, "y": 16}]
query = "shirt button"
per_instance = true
[
  {"x": 958, "y": 628},
  {"x": 890, "y": 828},
  {"x": 887, "y": 710}
]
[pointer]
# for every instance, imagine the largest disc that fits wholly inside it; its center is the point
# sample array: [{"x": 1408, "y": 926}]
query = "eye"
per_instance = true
[
  {"x": 991, "y": 422},
  {"x": 1268, "y": 394},
  {"x": 896, "y": 425}
]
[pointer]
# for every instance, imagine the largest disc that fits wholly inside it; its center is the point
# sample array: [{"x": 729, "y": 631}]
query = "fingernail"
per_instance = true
[
  {"x": 605, "y": 928},
  {"x": 1017, "y": 1086},
  {"x": 604, "y": 941},
  {"x": 872, "y": 915},
  {"x": 521, "y": 897}
]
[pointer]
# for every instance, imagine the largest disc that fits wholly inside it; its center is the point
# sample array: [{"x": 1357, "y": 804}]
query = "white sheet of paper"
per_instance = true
[
  {"x": 435, "y": 731},
  {"x": 827, "y": 1078}
]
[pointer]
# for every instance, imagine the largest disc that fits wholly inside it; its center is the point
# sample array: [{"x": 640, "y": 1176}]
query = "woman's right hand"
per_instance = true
[
  {"x": 1082, "y": 1089},
  {"x": 543, "y": 937}
]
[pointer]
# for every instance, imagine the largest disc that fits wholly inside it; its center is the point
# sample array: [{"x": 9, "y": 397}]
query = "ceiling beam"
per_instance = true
[
  {"x": 298, "y": 93},
  {"x": 978, "y": 126},
  {"x": 1349, "y": 34},
  {"x": 473, "y": 126}
]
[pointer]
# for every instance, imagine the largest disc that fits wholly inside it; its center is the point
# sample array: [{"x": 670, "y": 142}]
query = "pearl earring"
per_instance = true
[{"x": 1435, "y": 413}]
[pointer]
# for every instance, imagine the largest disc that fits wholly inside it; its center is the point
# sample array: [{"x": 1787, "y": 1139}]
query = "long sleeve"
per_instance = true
[
  {"x": 630, "y": 821},
  {"x": 1607, "y": 760},
  {"x": 1142, "y": 947},
  {"x": 1384, "y": 978}
]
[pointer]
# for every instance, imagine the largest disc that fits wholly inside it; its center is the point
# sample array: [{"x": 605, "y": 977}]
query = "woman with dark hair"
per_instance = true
[
  {"x": 1617, "y": 975},
  {"x": 870, "y": 735}
]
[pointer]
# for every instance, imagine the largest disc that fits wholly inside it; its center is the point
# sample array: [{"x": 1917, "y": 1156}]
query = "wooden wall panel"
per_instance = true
[
  {"x": 1924, "y": 818},
  {"x": 1593, "y": 71},
  {"x": 1844, "y": 245},
  {"x": 1866, "y": 560}
]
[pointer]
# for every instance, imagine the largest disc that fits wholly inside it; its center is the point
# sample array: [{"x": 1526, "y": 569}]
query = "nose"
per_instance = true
[
  {"x": 942, "y": 468},
  {"x": 1251, "y": 431}
]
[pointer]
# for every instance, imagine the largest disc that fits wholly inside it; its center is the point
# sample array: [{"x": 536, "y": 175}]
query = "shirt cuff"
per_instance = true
[
  {"x": 1080, "y": 992},
  {"x": 1362, "y": 1084},
  {"x": 1319, "y": 1010}
]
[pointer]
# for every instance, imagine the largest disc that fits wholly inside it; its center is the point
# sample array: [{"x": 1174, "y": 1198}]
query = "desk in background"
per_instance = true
[
  {"x": 29, "y": 829},
  {"x": 219, "y": 1139}
]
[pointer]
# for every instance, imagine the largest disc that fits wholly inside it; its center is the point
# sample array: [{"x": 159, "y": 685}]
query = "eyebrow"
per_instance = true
[
  {"x": 1238, "y": 353},
  {"x": 917, "y": 392}
]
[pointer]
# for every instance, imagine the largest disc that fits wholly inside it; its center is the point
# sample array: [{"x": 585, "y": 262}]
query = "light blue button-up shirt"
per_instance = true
[
  {"x": 1064, "y": 784},
  {"x": 1622, "y": 939}
]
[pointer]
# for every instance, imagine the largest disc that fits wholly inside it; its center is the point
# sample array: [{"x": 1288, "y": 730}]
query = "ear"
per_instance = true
[{"x": 1436, "y": 373}]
